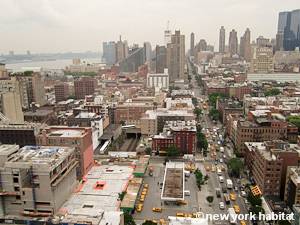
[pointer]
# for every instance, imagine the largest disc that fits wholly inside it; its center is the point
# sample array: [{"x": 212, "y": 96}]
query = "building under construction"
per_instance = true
[{"x": 35, "y": 181}]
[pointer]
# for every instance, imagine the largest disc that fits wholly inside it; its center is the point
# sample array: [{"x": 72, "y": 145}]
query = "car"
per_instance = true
[
  {"x": 144, "y": 193},
  {"x": 221, "y": 160},
  {"x": 243, "y": 222},
  {"x": 139, "y": 207},
  {"x": 243, "y": 194},
  {"x": 221, "y": 205},
  {"x": 224, "y": 156},
  {"x": 224, "y": 189},
  {"x": 181, "y": 202},
  {"x": 157, "y": 209},
  {"x": 236, "y": 189},
  {"x": 232, "y": 196},
  {"x": 221, "y": 179},
  {"x": 189, "y": 215},
  {"x": 237, "y": 209},
  {"x": 146, "y": 185},
  {"x": 145, "y": 189},
  {"x": 216, "y": 162},
  {"x": 179, "y": 214}
]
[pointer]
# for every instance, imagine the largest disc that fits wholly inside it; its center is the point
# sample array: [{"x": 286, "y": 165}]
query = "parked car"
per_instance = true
[{"x": 222, "y": 205}]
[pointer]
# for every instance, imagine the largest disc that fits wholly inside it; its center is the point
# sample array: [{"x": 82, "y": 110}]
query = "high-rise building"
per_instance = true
[
  {"x": 289, "y": 26},
  {"x": 109, "y": 52},
  {"x": 292, "y": 186},
  {"x": 147, "y": 51},
  {"x": 121, "y": 50},
  {"x": 160, "y": 58},
  {"x": 233, "y": 43},
  {"x": 32, "y": 89},
  {"x": 222, "y": 40},
  {"x": 61, "y": 91},
  {"x": 176, "y": 56},
  {"x": 133, "y": 61},
  {"x": 262, "y": 60},
  {"x": 84, "y": 86},
  {"x": 245, "y": 46},
  {"x": 202, "y": 45},
  {"x": 192, "y": 44},
  {"x": 167, "y": 35},
  {"x": 263, "y": 42},
  {"x": 10, "y": 100}
]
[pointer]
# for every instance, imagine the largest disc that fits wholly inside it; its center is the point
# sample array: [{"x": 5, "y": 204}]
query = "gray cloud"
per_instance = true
[{"x": 65, "y": 25}]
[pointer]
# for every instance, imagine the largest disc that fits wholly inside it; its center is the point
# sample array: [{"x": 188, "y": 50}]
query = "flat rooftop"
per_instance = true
[
  {"x": 96, "y": 199},
  {"x": 41, "y": 156},
  {"x": 153, "y": 114},
  {"x": 173, "y": 185},
  {"x": 66, "y": 133}
]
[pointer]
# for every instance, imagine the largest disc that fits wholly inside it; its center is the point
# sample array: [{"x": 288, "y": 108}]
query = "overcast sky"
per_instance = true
[{"x": 80, "y": 25}]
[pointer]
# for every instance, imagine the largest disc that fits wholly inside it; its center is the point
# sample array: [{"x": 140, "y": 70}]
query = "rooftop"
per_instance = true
[
  {"x": 173, "y": 185},
  {"x": 96, "y": 199},
  {"x": 153, "y": 114},
  {"x": 43, "y": 157}
]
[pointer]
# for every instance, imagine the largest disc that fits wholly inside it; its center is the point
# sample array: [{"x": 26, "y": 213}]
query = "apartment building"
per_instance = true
[
  {"x": 84, "y": 86},
  {"x": 35, "y": 180},
  {"x": 131, "y": 112},
  {"x": 292, "y": 186},
  {"x": 78, "y": 137},
  {"x": 268, "y": 163},
  {"x": 61, "y": 91},
  {"x": 153, "y": 121},
  {"x": 181, "y": 134}
]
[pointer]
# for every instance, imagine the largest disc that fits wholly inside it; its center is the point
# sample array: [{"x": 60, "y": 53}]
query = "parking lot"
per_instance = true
[{"x": 153, "y": 197}]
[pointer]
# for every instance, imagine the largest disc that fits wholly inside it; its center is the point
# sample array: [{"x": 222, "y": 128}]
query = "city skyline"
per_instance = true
[{"x": 61, "y": 26}]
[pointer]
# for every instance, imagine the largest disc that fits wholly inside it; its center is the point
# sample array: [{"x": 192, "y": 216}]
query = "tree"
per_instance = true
[
  {"x": 128, "y": 219},
  {"x": 202, "y": 141},
  {"x": 195, "y": 101},
  {"x": 256, "y": 210},
  {"x": 148, "y": 150},
  {"x": 294, "y": 120},
  {"x": 210, "y": 199},
  {"x": 173, "y": 151},
  {"x": 272, "y": 92},
  {"x": 254, "y": 200},
  {"x": 198, "y": 112},
  {"x": 199, "y": 178},
  {"x": 235, "y": 165},
  {"x": 212, "y": 98},
  {"x": 214, "y": 114},
  {"x": 121, "y": 195},
  {"x": 28, "y": 73}
]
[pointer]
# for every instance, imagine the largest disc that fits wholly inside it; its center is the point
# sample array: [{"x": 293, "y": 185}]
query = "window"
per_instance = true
[
  {"x": 16, "y": 180},
  {"x": 87, "y": 206}
]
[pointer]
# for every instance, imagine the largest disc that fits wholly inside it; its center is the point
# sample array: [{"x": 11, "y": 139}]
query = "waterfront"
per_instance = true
[{"x": 48, "y": 64}]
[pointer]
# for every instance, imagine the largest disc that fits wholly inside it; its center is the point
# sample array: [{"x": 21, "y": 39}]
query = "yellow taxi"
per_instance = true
[
  {"x": 162, "y": 222},
  {"x": 179, "y": 214},
  {"x": 156, "y": 209},
  {"x": 139, "y": 207},
  {"x": 243, "y": 222},
  {"x": 188, "y": 215},
  {"x": 146, "y": 185},
  {"x": 232, "y": 196},
  {"x": 236, "y": 209}
]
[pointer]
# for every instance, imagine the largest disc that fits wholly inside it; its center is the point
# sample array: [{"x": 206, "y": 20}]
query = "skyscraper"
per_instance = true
[
  {"x": 192, "y": 44},
  {"x": 176, "y": 56},
  {"x": 147, "y": 51},
  {"x": 233, "y": 42},
  {"x": 109, "y": 52},
  {"x": 121, "y": 50},
  {"x": 160, "y": 58},
  {"x": 222, "y": 40},
  {"x": 289, "y": 25},
  {"x": 245, "y": 46}
]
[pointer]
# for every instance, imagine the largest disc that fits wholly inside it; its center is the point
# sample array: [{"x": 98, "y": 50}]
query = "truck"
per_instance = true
[
  {"x": 232, "y": 216},
  {"x": 229, "y": 184}
]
